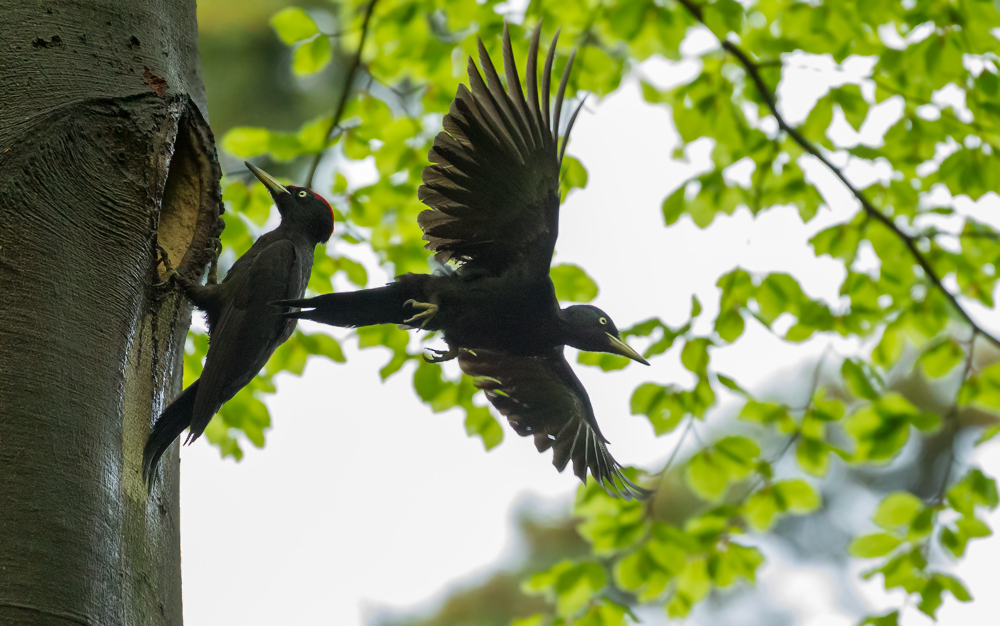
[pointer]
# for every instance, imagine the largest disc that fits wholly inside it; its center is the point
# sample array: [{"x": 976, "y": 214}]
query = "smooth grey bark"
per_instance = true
[{"x": 104, "y": 152}]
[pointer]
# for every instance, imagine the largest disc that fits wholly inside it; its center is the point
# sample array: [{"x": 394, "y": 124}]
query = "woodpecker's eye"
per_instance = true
[
  {"x": 303, "y": 194},
  {"x": 603, "y": 321}
]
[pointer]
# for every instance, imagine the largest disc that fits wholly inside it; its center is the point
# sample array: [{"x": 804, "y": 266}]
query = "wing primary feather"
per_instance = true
[
  {"x": 610, "y": 478},
  {"x": 546, "y": 82},
  {"x": 565, "y": 426},
  {"x": 514, "y": 88},
  {"x": 569, "y": 129},
  {"x": 531, "y": 82},
  {"x": 640, "y": 493},
  {"x": 619, "y": 486},
  {"x": 502, "y": 102},
  {"x": 464, "y": 98},
  {"x": 576, "y": 437},
  {"x": 601, "y": 474},
  {"x": 559, "y": 96},
  {"x": 483, "y": 100}
]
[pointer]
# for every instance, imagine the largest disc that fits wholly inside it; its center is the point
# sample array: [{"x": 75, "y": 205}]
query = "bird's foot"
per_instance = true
[
  {"x": 440, "y": 356},
  {"x": 172, "y": 275},
  {"x": 215, "y": 245},
  {"x": 163, "y": 259},
  {"x": 428, "y": 312}
]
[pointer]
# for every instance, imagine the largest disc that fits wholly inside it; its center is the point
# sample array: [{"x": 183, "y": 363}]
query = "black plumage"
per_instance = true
[
  {"x": 244, "y": 328},
  {"x": 493, "y": 195}
]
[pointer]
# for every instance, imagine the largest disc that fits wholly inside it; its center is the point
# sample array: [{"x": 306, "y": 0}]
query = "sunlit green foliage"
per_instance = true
[{"x": 411, "y": 64}]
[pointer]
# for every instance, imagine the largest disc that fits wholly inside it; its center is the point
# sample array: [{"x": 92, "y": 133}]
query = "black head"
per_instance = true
[
  {"x": 590, "y": 329},
  {"x": 301, "y": 209}
]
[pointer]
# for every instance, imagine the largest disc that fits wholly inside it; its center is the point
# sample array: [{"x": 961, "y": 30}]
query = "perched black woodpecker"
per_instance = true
[
  {"x": 493, "y": 192},
  {"x": 243, "y": 328}
]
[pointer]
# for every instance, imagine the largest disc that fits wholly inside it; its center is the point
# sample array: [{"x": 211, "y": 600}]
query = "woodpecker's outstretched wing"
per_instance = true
[
  {"x": 493, "y": 183},
  {"x": 542, "y": 397}
]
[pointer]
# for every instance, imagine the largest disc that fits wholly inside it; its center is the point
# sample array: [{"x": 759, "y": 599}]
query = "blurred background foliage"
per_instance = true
[{"x": 893, "y": 421}]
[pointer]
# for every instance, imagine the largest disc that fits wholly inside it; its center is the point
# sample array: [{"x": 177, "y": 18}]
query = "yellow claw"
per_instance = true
[{"x": 428, "y": 309}]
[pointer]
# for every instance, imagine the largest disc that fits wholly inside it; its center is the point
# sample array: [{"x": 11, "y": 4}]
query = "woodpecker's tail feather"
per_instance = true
[
  {"x": 365, "y": 307},
  {"x": 171, "y": 423}
]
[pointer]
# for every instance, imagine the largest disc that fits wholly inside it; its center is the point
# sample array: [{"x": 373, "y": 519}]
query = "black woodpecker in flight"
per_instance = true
[
  {"x": 493, "y": 192},
  {"x": 243, "y": 329}
]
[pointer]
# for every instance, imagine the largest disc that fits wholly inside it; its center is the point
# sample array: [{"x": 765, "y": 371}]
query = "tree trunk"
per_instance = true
[{"x": 105, "y": 152}]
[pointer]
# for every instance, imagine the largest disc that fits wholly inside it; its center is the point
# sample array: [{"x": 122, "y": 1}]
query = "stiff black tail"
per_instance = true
[
  {"x": 383, "y": 305},
  {"x": 171, "y": 423}
]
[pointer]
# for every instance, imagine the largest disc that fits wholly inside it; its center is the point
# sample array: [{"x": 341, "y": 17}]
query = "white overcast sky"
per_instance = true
[{"x": 365, "y": 501}]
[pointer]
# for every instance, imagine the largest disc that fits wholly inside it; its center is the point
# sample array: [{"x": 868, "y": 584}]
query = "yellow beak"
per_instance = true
[
  {"x": 620, "y": 347},
  {"x": 269, "y": 181}
]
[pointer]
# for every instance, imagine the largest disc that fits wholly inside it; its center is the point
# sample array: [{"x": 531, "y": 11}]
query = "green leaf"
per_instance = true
[
  {"x": 574, "y": 176},
  {"x": 897, "y": 510},
  {"x": 356, "y": 272},
  {"x": 706, "y": 476},
  {"x": 244, "y": 141},
  {"x": 607, "y": 362},
  {"x": 840, "y": 242},
  {"x": 860, "y": 378},
  {"x": 874, "y": 545},
  {"x": 694, "y": 356},
  {"x": 890, "y": 347},
  {"x": 693, "y": 584},
  {"x": 293, "y": 24},
  {"x": 813, "y": 456},
  {"x": 572, "y": 283},
  {"x": 723, "y": 16},
  {"x": 673, "y": 206},
  {"x": 737, "y": 455},
  {"x": 695, "y": 307},
  {"x": 731, "y": 384},
  {"x": 734, "y": 562},
  {"x": 606, "y": 613},
  {"x": 312, "y": 56},
  {"x": 710, "y": 471},
  {"x": 882, "y": 428},
  {"x": 660, "y": 404},
  {"x": 575, "y": 588},
  {"x": 889, "y": 619},
  {"x": 975, "y": 489},
  {"x": 339, "y": 183},
  {"x": 479, "y": 422},
  {"x": 954, "y": 586},
  {"x": 730, "y": 325},
  {"x": 983, "y": 389},
  {"x": 988, "y": 434},
  {"x": 851, "y": 103},
  {"x": 796, "y": 496},
  {"x": 761, "y": 509},
  {"x": 767, "y": 413},
  {"x": 941, "y": 358}
]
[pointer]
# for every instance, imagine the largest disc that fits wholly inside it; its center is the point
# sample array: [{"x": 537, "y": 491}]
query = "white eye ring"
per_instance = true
[
  {"x": 303, "y": 194},
  {"x": 603, "y": 321}
]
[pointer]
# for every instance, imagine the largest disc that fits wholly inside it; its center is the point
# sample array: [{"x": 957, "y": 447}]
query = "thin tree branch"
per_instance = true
[
  {"x": 910, "y": 242},
  {"x": 677, "y": 448},
  {"x": 951, "y": 423},
  {"x": 345, "y": 94},
  {"x": 794, "y": 437}
]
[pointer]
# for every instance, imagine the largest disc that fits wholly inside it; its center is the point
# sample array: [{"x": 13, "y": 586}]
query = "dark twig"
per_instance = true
[
  {"x": 345, "y": 94},
  {"x": 680, "y": 443},
  {"x": 910, "y": 242},
  {"x": 813, "y": 386},
  {"x": 951, "y": 423}
]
